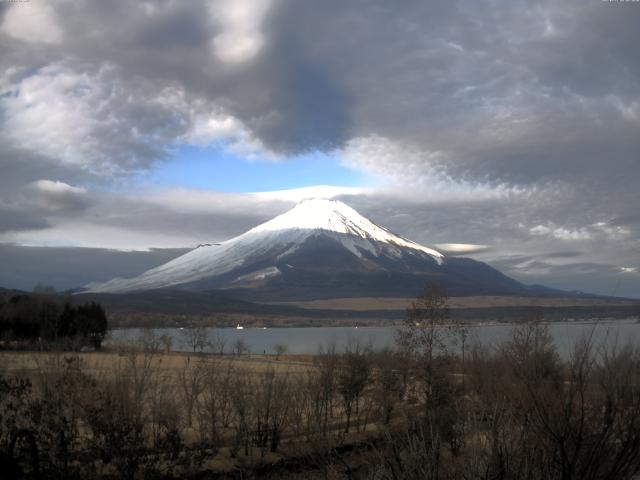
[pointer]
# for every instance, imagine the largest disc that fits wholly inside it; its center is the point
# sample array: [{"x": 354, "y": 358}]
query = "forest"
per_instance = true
[{"x": 49, "y": 321}]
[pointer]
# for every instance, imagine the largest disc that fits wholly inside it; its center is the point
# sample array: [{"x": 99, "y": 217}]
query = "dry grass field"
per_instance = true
[
  {"x": 169, "y": 365},
  {"x": 375, "y": 303}
]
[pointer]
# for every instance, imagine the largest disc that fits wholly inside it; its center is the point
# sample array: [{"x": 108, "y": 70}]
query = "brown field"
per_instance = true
[
  {"x": 374, "y": 303},
  {"x": 32, "y": 364}
]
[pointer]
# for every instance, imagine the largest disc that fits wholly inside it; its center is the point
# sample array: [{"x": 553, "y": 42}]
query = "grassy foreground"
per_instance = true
[{"x": 416, "y": 412}]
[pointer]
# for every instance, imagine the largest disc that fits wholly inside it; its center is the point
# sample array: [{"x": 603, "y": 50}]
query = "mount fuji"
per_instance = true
[{"x": 319, "y": 249}]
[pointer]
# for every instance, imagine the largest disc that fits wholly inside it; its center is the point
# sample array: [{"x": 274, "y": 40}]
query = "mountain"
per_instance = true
[{"x": 319, "y": 249}]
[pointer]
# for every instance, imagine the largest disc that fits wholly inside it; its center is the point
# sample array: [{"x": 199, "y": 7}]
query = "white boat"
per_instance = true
[{"x": 239, "y": 327}]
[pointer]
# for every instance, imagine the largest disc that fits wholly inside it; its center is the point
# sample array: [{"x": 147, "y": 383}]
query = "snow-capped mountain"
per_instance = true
[{"x": 320, "y": 248}]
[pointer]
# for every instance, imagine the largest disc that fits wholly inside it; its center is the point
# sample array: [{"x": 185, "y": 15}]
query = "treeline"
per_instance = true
[{"x": 48, "y": 319}]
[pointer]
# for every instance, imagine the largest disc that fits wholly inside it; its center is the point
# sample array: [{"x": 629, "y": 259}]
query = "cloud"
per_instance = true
[
  {"x": 317, "y": 191},
  {"x": 603, "y": 229},
  {"x": 487, "y": 123},
  {"x": 168, "y": 218},
  {"x": 15, "y": 218},
  {"x": 561, "y": 233},
  {"x": 83, "y": 119},
  {"x": 57, "y": 188},
  {"x": 240, "y": 37},
  {"x": 37, "y": 205},
  {"x": 418, "y": 173},
  {"x": 602, "y": 278},
  {"x": 565, "y": 254},
  {"x": 54, "y": 196},
  {"x": 33, "y": 22},
  {"x": 460, "y": 248},
  {"x": 486, "y": 88},
  {"x": 109, "y": 126},
  {"x": 68, "y": 267},
  {"x": 208, "y": 128}
]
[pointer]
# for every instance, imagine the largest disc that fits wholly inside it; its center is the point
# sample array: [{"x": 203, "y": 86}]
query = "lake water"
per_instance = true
[{"x": 308, "y": 340}]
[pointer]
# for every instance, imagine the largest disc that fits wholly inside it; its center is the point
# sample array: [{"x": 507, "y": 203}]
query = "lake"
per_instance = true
[{"x": 307, "y": 340}]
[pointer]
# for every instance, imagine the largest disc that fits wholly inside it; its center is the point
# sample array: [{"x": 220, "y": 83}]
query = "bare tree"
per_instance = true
[
  {"x": 166, "y": 341},
  {"x": 140, "y": 368},
  {"x": 191, "y": 382},
  {"x": 196, "y": 337},
  {"x": 323, "y": 390},
  {"x": 300, "y": 403},
  {"x": 533, "y": 354},
  {"x": 241, "y": 401},
  {"x": 423, "y": 340},
  {"x": 388, "y": 389},
  {"x": 215, "y": 407},
  {"x": 424, "y": 334},
  {"x": 240, "y": 347},
  {"x": 547, "y": 419},
  {"x": 271, "y": 402},
  {"x": 218, "y": 342},
  {"x": 353, "y": 377},
  {"x": 279, "y": 349}
]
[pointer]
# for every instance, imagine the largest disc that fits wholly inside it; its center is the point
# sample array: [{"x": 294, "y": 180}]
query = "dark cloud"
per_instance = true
[
  {"x": 64, "y": 268},
  {"x": 15, "y": 218},
  {"x": 568, "y": 254},
  {"x": 604, "y": 279},
  {"x": 506, "y": 90}
]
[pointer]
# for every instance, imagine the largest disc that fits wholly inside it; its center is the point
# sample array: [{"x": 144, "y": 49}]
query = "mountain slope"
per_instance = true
[{"x": 319, "y": 249}]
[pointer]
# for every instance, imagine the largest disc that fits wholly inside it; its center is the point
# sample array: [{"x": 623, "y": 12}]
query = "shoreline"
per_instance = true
[{"x": 470, "y": 324}]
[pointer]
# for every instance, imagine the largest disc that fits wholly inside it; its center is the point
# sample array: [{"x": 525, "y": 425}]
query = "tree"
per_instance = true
[
  {"x": 424, "y": 332},
  {"x": 388, "y": 387},
  {"x": 424, "y": 339},
  {"x": 196, "y": 337},
  {"x": 323, "y": 388},
  {"x": 86, "y": 322},
  {"x": 216, "y": 405},
  {"x": 353, "y": 377},
  {"x": 279, "y": 349},
  {"x": 271, "y": 399},
  {"x": 462, "y": 333},
  {"x": 191, "y": 380},
  {"x": 240, "y": 347},
  {"x": 42, "y": 317},
  {"x": 424, "y": 335},
  {"x": 92, "y": 323},
  {"x": 218, "y": 342},
  {"x": 533, "y": 355},
  {"x": 49, "y": 317},
  {"x": 547, "y": 419}
]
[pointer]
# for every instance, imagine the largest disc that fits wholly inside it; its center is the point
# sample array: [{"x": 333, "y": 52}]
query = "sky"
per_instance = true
[{"x": 507, "y": 131}]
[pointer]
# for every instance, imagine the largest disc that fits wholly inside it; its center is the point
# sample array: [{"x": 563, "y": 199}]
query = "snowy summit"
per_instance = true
[{"x": 336, "y": 216}]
